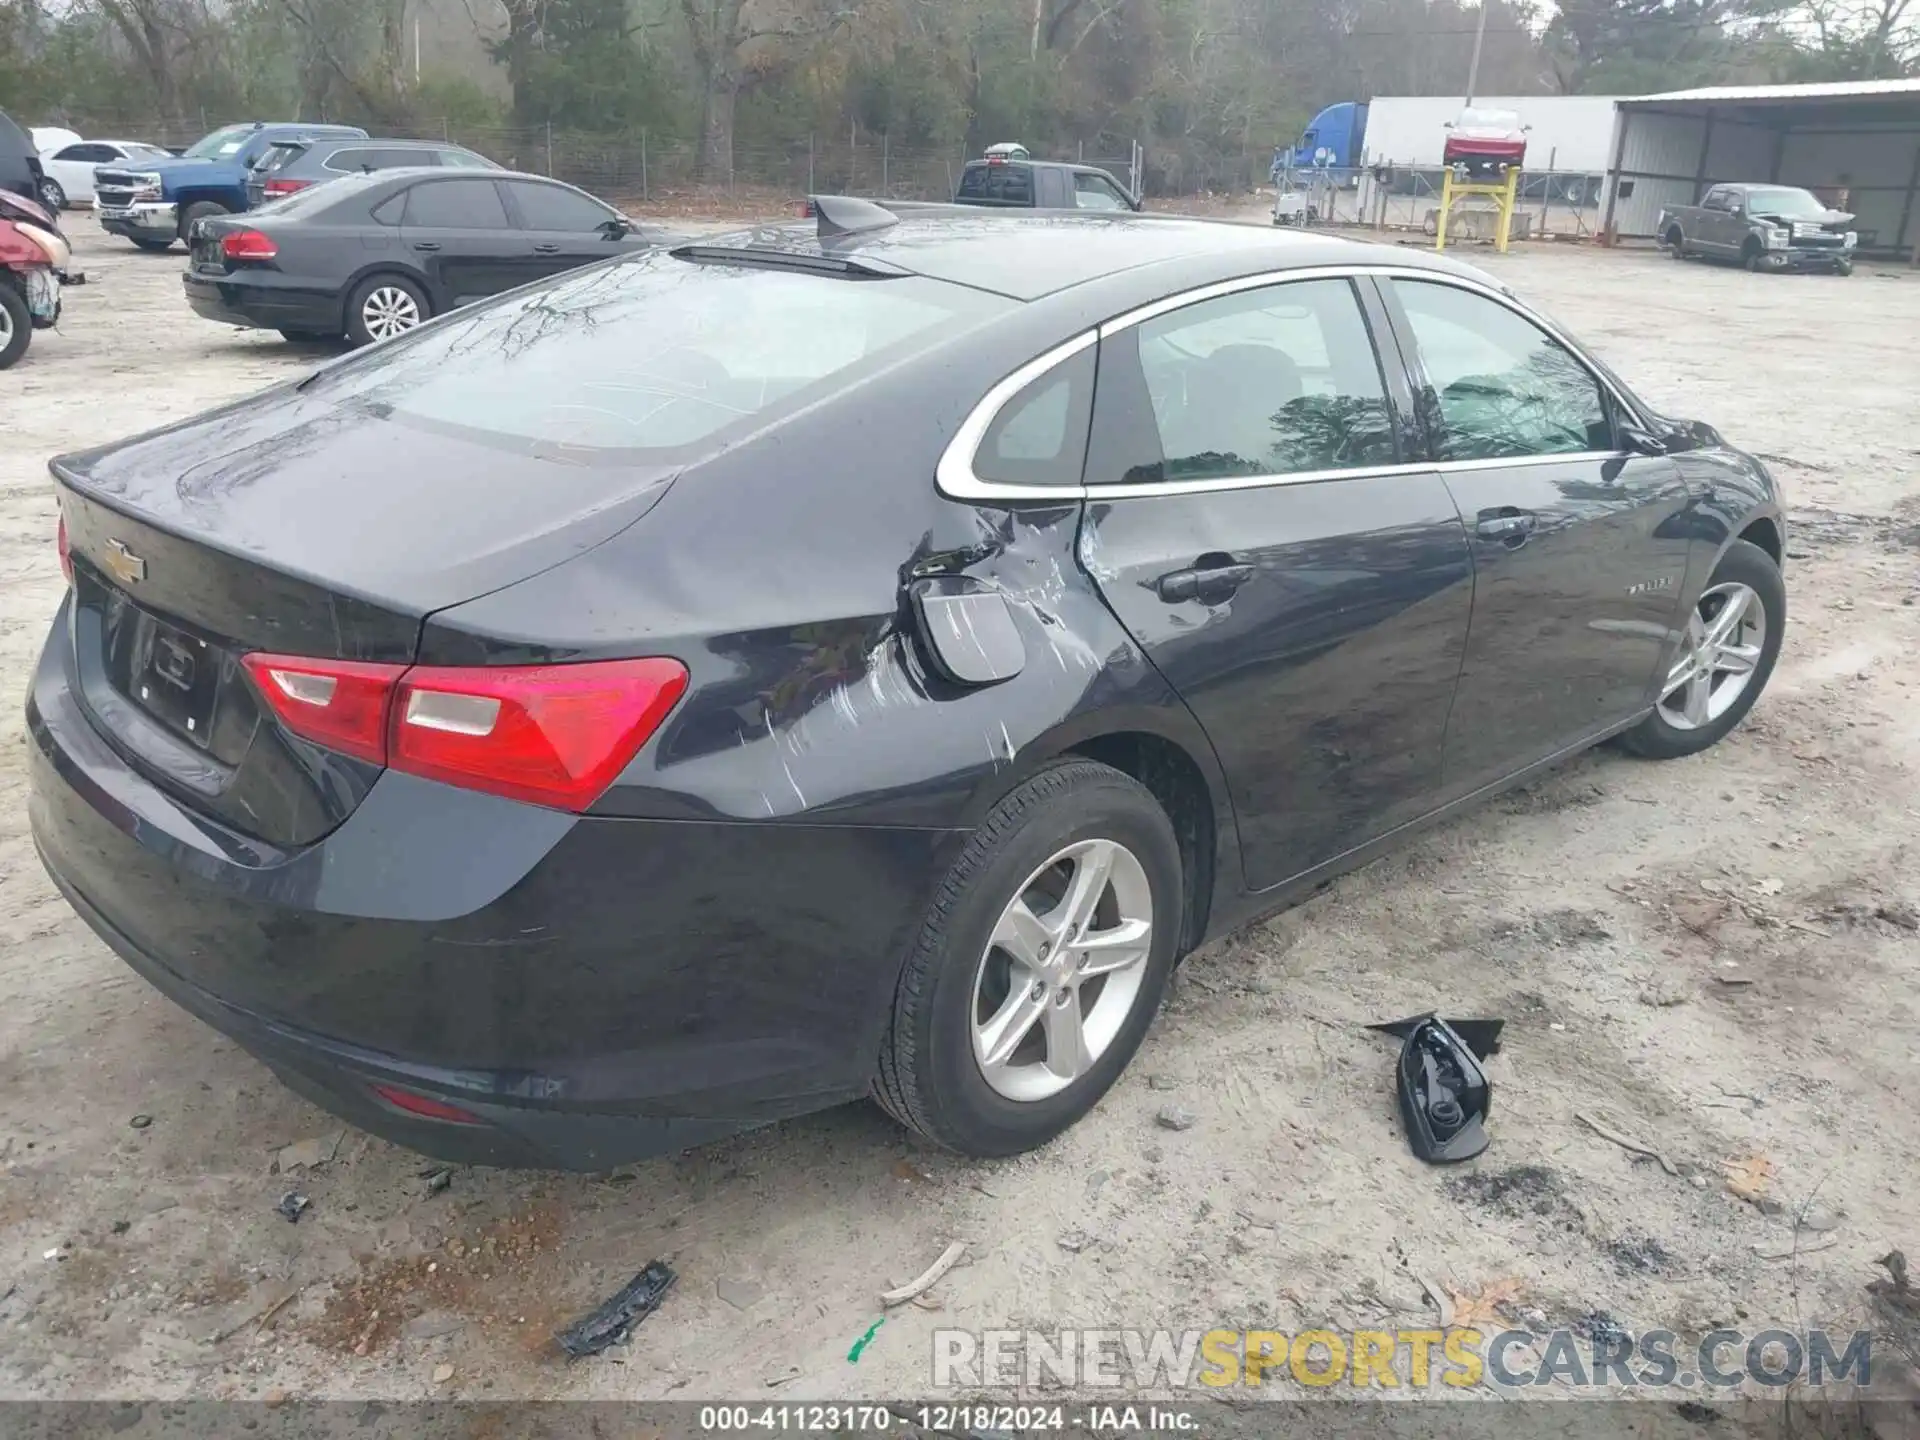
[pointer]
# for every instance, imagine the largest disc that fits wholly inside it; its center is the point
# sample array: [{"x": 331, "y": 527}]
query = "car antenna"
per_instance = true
[{"x": 846, "y": 215}]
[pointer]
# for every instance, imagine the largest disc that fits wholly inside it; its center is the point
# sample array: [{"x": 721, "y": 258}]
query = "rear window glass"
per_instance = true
[
  {"x": 999, "y": 184},
  {"x": 615, "y": 363}
]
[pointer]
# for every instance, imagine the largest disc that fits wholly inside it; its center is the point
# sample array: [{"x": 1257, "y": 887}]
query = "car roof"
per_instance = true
[
  {"x": 1027, "y": 254},
  {"x": 356, "y": 142}
]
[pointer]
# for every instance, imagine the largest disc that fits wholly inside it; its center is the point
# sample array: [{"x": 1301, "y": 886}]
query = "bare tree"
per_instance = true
[{"x": 739, "y": 44}]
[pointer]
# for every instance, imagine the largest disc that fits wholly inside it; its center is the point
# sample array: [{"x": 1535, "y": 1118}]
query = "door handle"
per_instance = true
[
  {"x": 544, "y": 249},
  {"x": 1210, "y": 585},
  {"x": 1509, "y": 526},
  {"x": 426, "y": 244}
]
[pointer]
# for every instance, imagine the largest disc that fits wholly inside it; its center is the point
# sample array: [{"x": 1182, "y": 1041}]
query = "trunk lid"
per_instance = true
[{"x": 289, "y": 525}]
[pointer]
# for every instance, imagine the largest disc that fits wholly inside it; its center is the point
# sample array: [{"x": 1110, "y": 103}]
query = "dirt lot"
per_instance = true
[{"x": 1718, "y": 956}]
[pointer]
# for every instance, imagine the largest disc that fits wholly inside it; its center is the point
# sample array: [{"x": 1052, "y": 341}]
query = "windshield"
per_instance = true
[
  {"x": 1783, "y": 202},
  {"x": 619, "y": 362},
  {"x": 220, "y": 144}
]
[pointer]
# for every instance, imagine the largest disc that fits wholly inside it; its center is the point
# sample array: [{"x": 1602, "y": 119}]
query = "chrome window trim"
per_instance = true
[{"x": 954, "y": 476}]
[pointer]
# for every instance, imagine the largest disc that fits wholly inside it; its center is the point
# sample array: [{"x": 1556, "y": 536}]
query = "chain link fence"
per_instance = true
[
  {"x": 646, "y": 167},
  {"x": 1390, "y": 197}
]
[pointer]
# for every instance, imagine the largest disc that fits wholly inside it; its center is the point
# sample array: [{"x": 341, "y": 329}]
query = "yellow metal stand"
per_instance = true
[{"x": 1503, "y": 194}]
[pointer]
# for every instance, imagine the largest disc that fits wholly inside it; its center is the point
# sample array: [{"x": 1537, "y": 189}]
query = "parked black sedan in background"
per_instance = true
[
  {"x": 808, "y": 663},
  {"x": 291, "y": 166},
  {"x": 371, "y": 256}
]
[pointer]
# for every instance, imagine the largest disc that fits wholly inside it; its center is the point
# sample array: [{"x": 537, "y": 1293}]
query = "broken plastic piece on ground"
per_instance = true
[
  {"x": 1444, "y": 1093},
  {"x": 292, "y": 1206},
  {"x": 1482, "y": 1036},
  {"x": 610, "y": 1324}
]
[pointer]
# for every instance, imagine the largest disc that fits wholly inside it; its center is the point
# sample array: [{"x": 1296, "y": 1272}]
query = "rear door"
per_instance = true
[
  {"x": 1256, "y": 523},
  {"x": 1718, "y": 223},
  {"x": 458, "y": 232},
  {"x": 561, "y": 228},
  {"x": 1580, "y": 546}
]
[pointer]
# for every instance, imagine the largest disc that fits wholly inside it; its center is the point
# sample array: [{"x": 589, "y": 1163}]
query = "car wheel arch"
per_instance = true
[
  {"x": 388, "y": 266},
  {"x": 1175, "y": 762}
]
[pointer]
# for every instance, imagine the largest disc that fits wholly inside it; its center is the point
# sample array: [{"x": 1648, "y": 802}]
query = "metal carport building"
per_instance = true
[{"x": 1861, "y": 137}]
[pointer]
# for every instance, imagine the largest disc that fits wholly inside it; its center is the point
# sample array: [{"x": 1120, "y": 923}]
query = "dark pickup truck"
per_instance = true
[
  {"x": 1764, "y": 227},
  {"x": 1009, "y": 179}
]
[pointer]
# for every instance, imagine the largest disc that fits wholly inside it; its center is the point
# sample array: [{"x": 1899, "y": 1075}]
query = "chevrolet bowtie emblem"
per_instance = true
[{"x": 127, "y": 567}]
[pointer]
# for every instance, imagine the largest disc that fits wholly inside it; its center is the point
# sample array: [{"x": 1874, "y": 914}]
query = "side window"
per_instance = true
[
  {"x": 1282, "y": 380},
  {"x": 1040, "y": 435},
  {"x": 1504, "y": 387},
  {"x": 391, "y": 210},
  {"x": 1716, "y": 199},
  {"x": 1096, "y": 192},
  {"x": 555, "y": 207},
  {"x": 88, "y": 153},
  {"x": 353, "y": 160},
  {"x": 455, "y": 205},
  {"x": 463, "y": 160}
]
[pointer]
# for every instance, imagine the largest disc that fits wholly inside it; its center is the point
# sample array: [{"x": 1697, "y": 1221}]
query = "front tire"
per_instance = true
[
  {"x": 16, "y": 323},
  {"x": 1040, "y": 965},
  {"x": 199, "y": 210},
  {"x": 383, "y": 306},
  {"x": 1732, "y": 641}
]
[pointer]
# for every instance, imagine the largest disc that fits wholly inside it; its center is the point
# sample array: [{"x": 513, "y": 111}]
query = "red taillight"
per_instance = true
[
  {"x": 424, "y": 1106},
  {"x": 547, "y": 734},
  {"x": 341, "y": 704},
  {"x": 248, "y": 245},
  {"x": 804, "y": 210},
  {"x": 277, "y": 188},
  {"x": 553, "y": 735},
  {"x": 66, "y": 549}
]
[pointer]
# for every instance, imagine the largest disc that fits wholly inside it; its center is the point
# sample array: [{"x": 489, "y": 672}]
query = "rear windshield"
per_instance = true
[
  {"x": 997, "y": 184},
  {"x": 279, "y": 155},
  {"x": 621, "y": 362}
]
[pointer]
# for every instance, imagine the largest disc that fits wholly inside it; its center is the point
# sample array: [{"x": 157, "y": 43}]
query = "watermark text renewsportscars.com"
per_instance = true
[{"x": 1514, "y": 1361}]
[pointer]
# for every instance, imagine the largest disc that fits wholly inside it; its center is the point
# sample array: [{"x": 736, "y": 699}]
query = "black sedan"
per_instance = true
[
  {"x": 819, "y": 663},
  {"x": 372, "y": 255}
]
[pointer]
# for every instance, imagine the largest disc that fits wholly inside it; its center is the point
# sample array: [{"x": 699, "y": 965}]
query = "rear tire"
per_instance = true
[
  {"x": 16, "y": 324},
  {"x": 1676, "y": 244},
  {"x": 964, "y": 976},
  {"x": 378, "y": 308},
  {"x": 1663, "y": 736},
  {"x": 199, "y": 210},
  {"x": 52, "y": 194}
]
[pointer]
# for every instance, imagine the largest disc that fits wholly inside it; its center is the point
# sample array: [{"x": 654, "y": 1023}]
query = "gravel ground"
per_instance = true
[{"x": 1717, "y": 955}]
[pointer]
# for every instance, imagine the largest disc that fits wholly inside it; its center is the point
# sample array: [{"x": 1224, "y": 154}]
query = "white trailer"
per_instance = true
[{"x": 1569, "y": 136}]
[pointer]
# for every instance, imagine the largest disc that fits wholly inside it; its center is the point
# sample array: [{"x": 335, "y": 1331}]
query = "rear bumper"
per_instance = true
[
  {"x": 591, "y": 991},
  {"x": 249, "y": 304}
]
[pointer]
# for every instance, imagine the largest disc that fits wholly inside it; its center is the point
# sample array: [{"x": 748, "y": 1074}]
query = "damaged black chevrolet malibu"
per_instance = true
[{"x": 852, "y": 658}]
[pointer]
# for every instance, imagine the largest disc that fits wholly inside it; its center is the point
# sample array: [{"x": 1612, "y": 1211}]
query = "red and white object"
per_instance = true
[{"x": 1486, "y": 140}]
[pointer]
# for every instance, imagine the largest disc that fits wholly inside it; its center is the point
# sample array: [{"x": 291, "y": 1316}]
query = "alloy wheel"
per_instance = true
[
  {"x": 1062, "y": 970},
  {"x": 1725, "y": 635},
  {"x": 6, "y": 327},
  {"x": 388, "y": 311}
]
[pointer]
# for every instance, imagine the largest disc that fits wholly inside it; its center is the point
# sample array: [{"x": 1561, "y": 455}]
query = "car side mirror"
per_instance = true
[
  {"x": 1642, "y": 442},
  {"x": 617, "y": 228}
]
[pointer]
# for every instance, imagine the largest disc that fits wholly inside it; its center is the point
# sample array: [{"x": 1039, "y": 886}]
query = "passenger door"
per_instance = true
[
  {"x": 457, "y": 231},
  {"x": 561, "y": 228},
  {"x": 1255, "y": 523},
  {"x": 1580, "y": 546}
]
